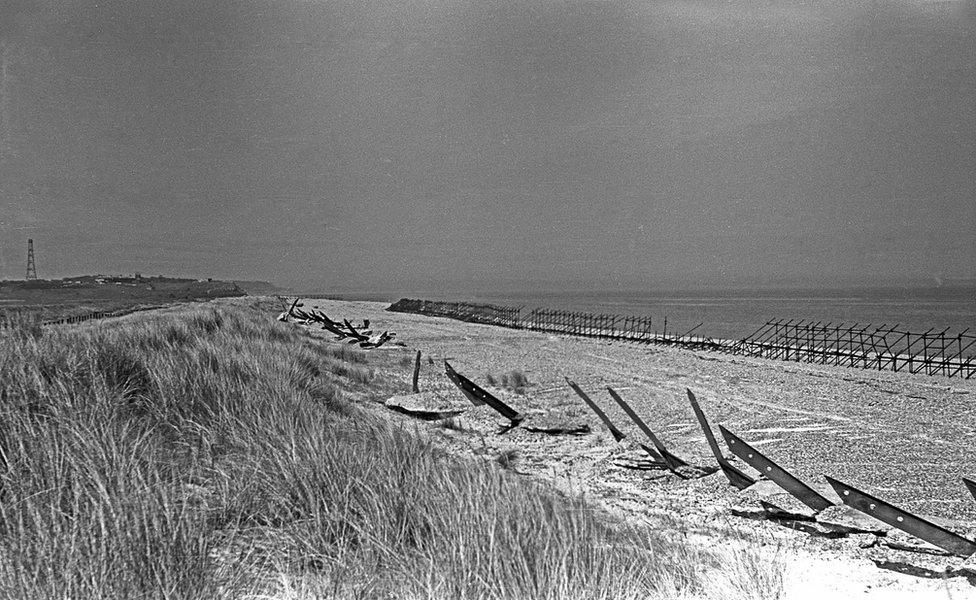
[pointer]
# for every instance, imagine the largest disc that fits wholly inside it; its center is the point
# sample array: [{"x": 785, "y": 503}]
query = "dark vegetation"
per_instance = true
[{"x": 53, "y": 299}]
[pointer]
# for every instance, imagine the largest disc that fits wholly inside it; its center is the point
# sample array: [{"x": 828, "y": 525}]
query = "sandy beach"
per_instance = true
[{"x": 906, "y": 439}]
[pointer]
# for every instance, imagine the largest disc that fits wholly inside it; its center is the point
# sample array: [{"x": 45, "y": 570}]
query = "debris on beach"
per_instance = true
[
  {"x": 548, "y": 425},
  {"x": 426, "y": 406},
  {"x": 478, "y": 396},
  {"x": 343, "y": 330}
]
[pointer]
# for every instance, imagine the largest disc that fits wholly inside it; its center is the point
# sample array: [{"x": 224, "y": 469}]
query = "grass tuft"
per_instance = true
[
  {"x": 507, "y": 458},
  {"x": 514, "y": 381}
]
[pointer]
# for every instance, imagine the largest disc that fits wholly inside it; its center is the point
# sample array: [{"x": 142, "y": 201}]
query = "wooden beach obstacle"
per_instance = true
[
  {"x": 864, "y": 346},
  {"x": 478, "y": 396},
  {"x": 903, "y": 520},
  {"x": 673, "y": 462},
  {"x": 971, "y": 486},
  {"x": 416, "y": 375},
  {"x": 774, "y": 472},
  {"x": 734, "y": 475},
  {"x": 616, "y": 433},
  {"x": 863, "y": 502},
  {"x": 656, "y": 460},
  {"x": 856, "y": 346}
]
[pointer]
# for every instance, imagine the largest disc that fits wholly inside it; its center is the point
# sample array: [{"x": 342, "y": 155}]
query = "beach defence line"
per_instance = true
[
  {"x": 80, "y": 318},
  {"x": 856, "y": 499},
  {"x": 864, "y": 346},
  {"x": 92, "y": 316},
  {"x": 856, "y": 346},
  {"x": 859, "y": 500},
  {"x": 5, "y": 324}
]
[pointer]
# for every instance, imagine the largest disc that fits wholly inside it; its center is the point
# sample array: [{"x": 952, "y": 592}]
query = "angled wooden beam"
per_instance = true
[
  {"x": 904, "y": 520},
  {"x": 671, "y": 460},
  {"x": 734, "y": 475},
  {"x": 970, "y": 485},
  {"x": 477, "y": 395},
  {"x": 778, "y": 474},
  {"x": 416, "y": 374},
  {"x": 616, "y": 433}
]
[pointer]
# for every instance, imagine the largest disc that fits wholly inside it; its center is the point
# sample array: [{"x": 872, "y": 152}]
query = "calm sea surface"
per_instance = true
[{"x": 736, "y": 314}]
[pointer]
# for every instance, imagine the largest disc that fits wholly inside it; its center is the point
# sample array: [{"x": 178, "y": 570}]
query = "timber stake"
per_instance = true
[
  {"x": 416, "y": 374},
  {"x": 671, "y": 460},
  {"x": 477, "y": 395},
  {"x": 735, "y": 476}
]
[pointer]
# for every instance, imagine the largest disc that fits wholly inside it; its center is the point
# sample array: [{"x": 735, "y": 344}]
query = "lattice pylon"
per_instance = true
[{"x": 31, "y": 269}]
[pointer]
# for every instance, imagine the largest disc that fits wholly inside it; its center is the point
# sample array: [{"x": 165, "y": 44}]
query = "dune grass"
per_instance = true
[
  {"x": 213, "y": 453},
  {"x": 514, "y": 381}
]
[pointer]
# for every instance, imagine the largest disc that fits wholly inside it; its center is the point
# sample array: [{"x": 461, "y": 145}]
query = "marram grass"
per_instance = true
[{"x": 210, "y": 453}]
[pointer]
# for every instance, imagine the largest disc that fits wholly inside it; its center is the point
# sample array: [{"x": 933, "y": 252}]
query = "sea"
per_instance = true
[{"x": 735, "y": 314}]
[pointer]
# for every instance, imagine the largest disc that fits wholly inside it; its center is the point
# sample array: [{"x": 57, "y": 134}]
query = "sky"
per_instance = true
[{"x": 487, "y": 144}]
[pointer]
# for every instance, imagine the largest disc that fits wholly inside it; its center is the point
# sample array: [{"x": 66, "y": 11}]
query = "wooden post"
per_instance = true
[
  {"x": 416, "y": 374},
  {"x": 908, "y": 338}
]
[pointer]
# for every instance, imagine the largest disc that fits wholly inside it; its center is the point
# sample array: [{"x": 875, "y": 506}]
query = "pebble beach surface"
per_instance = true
[{"x": 907, "y": 439}]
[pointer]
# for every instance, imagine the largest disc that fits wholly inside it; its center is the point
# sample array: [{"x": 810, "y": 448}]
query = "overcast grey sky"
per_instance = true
[{"x": 399, "y": 145}]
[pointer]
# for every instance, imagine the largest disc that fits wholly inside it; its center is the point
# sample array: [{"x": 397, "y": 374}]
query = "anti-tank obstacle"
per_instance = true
[
  {"x": 855, "y": 346},
  {"x": 734, "y": 475},
  {"x": 863, "y": 502},
  {"x": 864, "y": 346},
  {"x": 478, "y": 395},
  {"x": 343, "y": 330},
  {"x": 858, "y": 500}
]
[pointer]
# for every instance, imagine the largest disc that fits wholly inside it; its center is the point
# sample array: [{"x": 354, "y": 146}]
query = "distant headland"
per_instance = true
[{"x": 136, "y": 287}]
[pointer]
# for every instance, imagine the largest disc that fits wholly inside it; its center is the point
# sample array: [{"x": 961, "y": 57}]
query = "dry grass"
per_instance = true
[
  {"x": 514, "y": 381},
  {"x": 507, "y": 458},
  {"x": 20, "y": 323},
  {"x": 200, "y": 453},
  {"x": 453, "y": 423}
]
